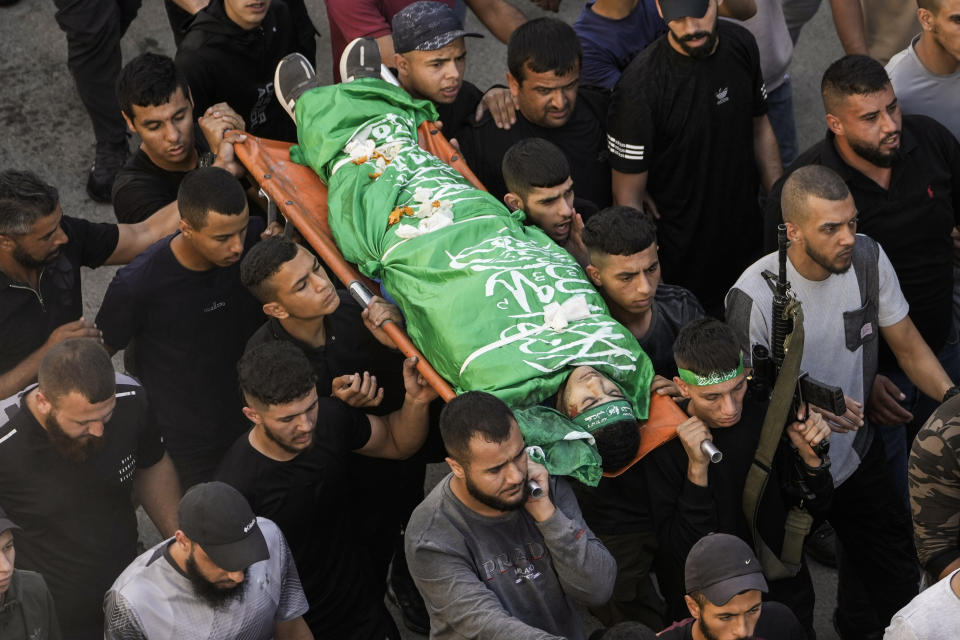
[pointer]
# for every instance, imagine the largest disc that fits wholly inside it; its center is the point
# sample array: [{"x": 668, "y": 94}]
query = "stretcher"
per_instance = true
[{"x": 298, "y": 194}]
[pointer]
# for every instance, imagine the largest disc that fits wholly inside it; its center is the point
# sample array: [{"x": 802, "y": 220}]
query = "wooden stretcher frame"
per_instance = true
[{"x": 301, "y": 197}]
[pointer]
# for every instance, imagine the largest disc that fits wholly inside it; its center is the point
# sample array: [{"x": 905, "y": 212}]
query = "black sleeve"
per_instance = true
[
  {"x": 150, "y": 448},
  {"x": 815, "y": 491},
  {"x": 96, "y": 240},
  {"x": 118, "y": 318},
  {"x": 630, "y": 124},
  {"x": 193, "y": 67},
  {"x": 136, "y": 199},
  {"x": 682, "y": 511},
  {"x": 350, "y": 426},
  {"x": 759, "y": 88}
]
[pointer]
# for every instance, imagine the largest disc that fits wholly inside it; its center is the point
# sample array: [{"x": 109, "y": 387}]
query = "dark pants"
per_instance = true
[
  {"x": 634, "y": 595},
  {"x": 877, "y": 564},
  {"x": 94, "y": 29}
]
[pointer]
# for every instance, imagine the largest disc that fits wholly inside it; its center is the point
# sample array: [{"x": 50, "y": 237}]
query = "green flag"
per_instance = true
[{"x": 494, "y": 305}]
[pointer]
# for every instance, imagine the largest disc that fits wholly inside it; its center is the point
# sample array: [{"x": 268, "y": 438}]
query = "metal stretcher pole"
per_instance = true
[{"x": 301, "y": 198}]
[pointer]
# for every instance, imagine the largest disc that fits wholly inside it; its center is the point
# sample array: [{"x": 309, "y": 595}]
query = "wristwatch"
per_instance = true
[
  {"x": 952, "y": 391},
  {"x": 207, "y": 159}
]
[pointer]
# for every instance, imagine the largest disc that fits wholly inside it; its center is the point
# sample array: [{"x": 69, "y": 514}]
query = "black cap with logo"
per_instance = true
[
  {"x": 218, "y": 518},
  {"x": 426, "y": 26},
  {"x": 720, "y": 566},
  {"x": 676, "y": 9}
]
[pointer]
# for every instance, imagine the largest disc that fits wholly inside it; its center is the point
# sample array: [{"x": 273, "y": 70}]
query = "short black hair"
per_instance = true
[
  {"x": 149, "y": 80},
  {"x": 474, "y": 413},
  {"x": 262, "y": 262},
  {"x": 617, "y": 444},
  {"x": 706, "y": 346},
  {"x": 533, "y": 163},
  {"x": 543, "y": 44},
  {"x": 851, "y": 75},
  {"x": 209, "y": 189},
  {"x": 619, "y": 231},
  {"x": 812, "y": 180},
  {"x": 77, "y": 364},
  {"x": 24, "y": 199},
  {"x": 275, "y": 373}
]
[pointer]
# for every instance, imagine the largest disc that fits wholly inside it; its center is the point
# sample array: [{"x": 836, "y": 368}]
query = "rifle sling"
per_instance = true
[{"x": 798, "y": 521}]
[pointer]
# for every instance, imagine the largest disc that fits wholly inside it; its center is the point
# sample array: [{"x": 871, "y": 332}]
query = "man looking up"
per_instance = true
[
  {"x": 293, "y": 468},
  {"x": 690, "y": 497},
  {"x": 77, "y": 452},
  {"x": 724, "y": 590},
  {"x": 926, "y": 75},
  {"x": 224, "y": 574},
  {"x": 156, "y": 105},
  {"x": 846, "y": 311},
  {"x": 183, "y": 305},
  {"x": 488, "y": 557},
  {"x": 41, "y": 252},
  {"x": 690, "y": 144},
  {"x": 625, "y": 267},
  {"x": 903, "y": 173},
  {"x": 543, "y": 58}
]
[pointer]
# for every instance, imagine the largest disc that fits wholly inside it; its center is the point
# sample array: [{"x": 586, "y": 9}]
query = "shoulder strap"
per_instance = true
[
  {"x": 866, "y": 266},
  {"x": 798, "y": 521}
]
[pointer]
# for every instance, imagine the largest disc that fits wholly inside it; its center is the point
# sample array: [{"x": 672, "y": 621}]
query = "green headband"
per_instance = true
[
  {"x": 604, "y": 414},
  {"x": 715, "y": 377}
]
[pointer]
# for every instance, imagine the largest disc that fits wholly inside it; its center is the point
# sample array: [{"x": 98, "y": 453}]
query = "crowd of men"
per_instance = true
[{"x": 278, "y": 440}]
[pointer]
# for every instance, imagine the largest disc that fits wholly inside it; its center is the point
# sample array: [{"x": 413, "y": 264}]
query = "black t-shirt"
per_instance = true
[
  {"x": 350, "y": 348},
  {"x": 28, "y": 316},
  {"x": 776, "y": 622},
  {"x": 190, "y": 329},
  {"x": 673, "y": 307},
  {"x": 307, "y": 498},
  {"x": 689, "y": 124},
  {"x": 79, "y": 529},
  {"x": 683, "y": 512},
  {"x": 458, "y": 115},
  {"x": 142, "y": 188},
  {"x": 582, "y": 140},
  {"x": 911, "y": 220}
]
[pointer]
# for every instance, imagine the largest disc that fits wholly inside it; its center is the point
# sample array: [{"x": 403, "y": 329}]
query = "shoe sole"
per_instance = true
[
  {"x": 287, "y": 103},
  {"x": 344, "y": 76}
]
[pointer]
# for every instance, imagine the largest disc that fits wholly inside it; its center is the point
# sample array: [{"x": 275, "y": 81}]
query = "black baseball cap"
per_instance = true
[
  {"x": 676, "y": 9},
  {"x": 218, "y": 518},
  {"x": 5, "y": 522},
  {"x": 720, "y": 566},
  {"x": 426, "y": 26}
]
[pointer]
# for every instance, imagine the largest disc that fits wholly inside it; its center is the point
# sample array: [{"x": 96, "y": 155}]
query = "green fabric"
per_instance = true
[
  {"x": 715, "y": 377},
  {"x": 475, "y": 294},
  {"x": 600, "y": 416}
]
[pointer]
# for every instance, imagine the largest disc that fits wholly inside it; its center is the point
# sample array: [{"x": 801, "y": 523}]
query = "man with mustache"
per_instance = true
[
  {"x": 492, "y": 560},
  {"x": 904, "y": 175},
  {"x": 183, "y": 306},
  {"x": 690, "y": 143},
  {"x": 41, "y": 253},
  {"x": 74, "y": 451},
  {"x": 225, "y": 573},
  {"x": 846, "y": 310}
]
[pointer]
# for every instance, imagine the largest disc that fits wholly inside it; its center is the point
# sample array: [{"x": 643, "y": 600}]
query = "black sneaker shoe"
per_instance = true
[
  {"x": 361, "y": 59},
  {"x": 821, "y": 545},
  {"x": 403, "y": 593},
  {"x": 294, "y": 77},
  {"x": 107, "y": 163}
]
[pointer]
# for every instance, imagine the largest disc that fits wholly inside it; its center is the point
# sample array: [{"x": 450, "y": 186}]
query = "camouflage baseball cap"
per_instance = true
[{"x": 426, "y": 26}]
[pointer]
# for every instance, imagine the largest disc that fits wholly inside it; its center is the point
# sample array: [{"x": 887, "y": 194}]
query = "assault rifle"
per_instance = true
[{"x": 767, "y": 366}]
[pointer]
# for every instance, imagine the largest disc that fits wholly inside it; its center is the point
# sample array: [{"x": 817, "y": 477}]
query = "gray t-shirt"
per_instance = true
[
  {"x": 507, "y": 577},
  {"x": 153, "y": 599},
  {"x": 921, "y": 92},
  {"x": 769, "y": 27},
  {"x": 932, "y": 615},
  {"x": 832, "y": 315}
]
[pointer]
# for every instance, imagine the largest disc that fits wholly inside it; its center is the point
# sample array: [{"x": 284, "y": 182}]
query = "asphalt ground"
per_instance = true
[{"x": 44, "y": 128}]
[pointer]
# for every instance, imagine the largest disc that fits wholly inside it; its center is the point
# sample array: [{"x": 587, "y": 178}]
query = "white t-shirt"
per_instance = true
[
  {"x": 153, "y": 599},
  {"x": 932, "y": 615},
  {"x": 924, "y": 93},
  {"x": 830, "y": 315}
]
